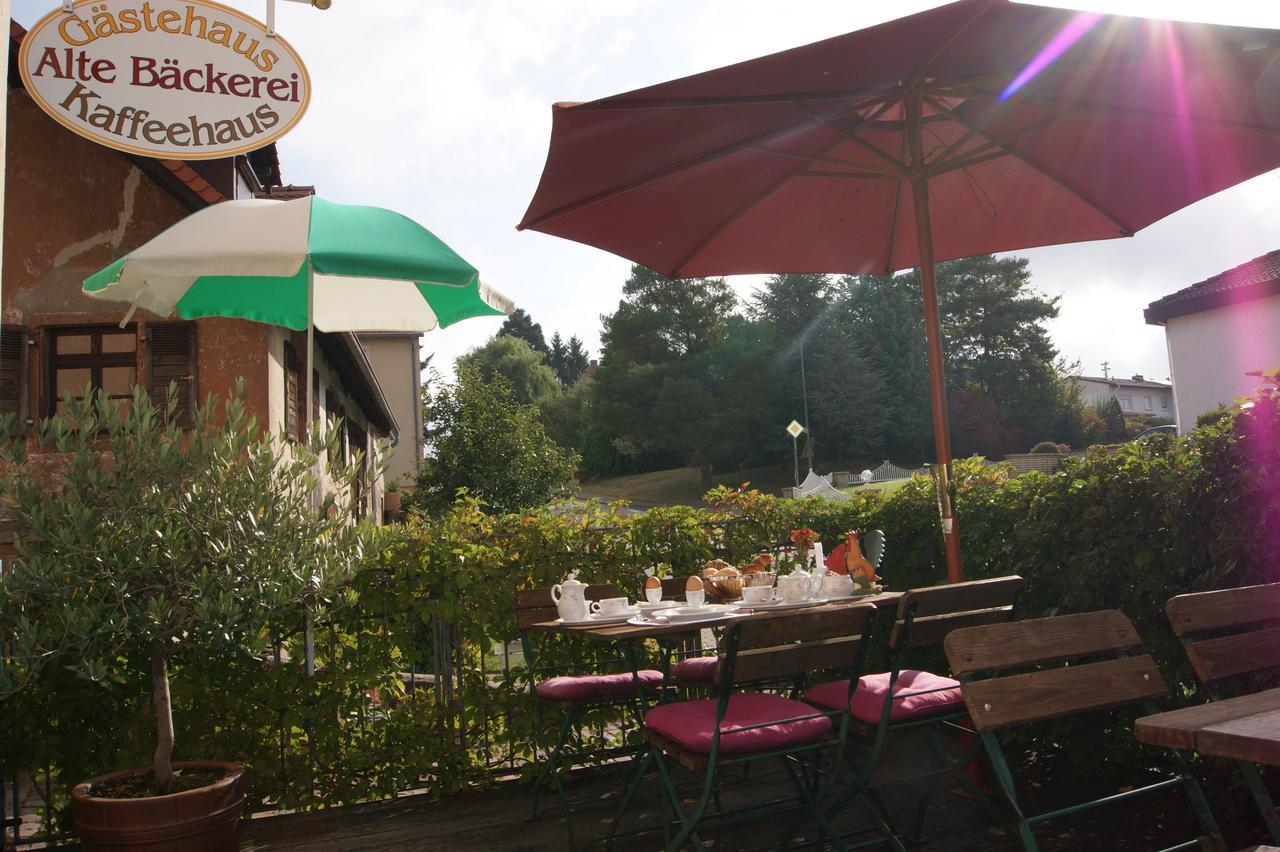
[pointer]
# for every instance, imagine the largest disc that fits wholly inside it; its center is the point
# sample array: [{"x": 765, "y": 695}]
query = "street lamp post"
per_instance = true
[{"x": 804, "y": 394}]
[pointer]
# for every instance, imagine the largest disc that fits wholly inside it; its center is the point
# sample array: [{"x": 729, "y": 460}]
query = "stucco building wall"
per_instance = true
[
  {"x": 395, "y": 358},
  {"x": 1211, "y": 351}
]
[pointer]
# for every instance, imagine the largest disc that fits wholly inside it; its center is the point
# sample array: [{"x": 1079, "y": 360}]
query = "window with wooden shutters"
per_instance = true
[
  {"x": 172, "y": 349},
  {"x": 292, "y": 392},
  {"x": 13, "y": 375}
]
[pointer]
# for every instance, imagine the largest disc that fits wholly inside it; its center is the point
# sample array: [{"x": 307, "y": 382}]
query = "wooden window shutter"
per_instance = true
[
  {"x": 13, "y": 375},
  {"x": 292, "y": 403},
  {"x": 172, "y": 348}
]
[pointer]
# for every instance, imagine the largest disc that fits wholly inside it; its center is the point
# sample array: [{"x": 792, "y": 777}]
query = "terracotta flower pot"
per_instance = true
[
  {"x": 391, "y": 501},
  {"x": 206, "y": 819}
]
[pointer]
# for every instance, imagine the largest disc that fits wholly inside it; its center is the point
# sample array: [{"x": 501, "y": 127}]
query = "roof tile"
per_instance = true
[{"x": 1255, "y": 279}]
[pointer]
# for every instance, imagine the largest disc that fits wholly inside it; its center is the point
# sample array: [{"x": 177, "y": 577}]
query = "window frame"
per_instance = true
[{"x": 95, "y": 360}]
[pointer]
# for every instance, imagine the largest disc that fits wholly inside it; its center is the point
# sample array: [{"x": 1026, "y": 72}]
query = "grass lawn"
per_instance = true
[{"x": 682, "y": 486}]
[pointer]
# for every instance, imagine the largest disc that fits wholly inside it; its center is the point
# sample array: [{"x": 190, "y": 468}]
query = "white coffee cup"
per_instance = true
[
  {"x": 653, "y": 595},
  {"x": 611, "y": 606},
  {"x": 757, "y": 594},
  {"x": 794, "y": 587},
  {"x": 695, "y": 598}
]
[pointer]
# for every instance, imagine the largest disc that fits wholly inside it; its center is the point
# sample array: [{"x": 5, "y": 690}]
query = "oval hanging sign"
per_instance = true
[{"x": 174, "y": 79}]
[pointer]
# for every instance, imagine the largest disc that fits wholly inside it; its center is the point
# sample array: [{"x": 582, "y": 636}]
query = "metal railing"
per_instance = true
[{"x": 440, "y": 668}]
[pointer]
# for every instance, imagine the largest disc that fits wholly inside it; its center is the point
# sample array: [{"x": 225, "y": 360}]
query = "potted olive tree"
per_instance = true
[{"x": 145, "y": 542}]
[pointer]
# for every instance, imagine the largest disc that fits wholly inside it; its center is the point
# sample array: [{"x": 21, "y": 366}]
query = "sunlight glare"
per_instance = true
[{"x": 1238, "y": 13}]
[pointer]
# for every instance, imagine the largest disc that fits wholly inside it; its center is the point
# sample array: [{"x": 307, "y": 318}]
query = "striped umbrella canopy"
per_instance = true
[{"x": 307, "y": 263}]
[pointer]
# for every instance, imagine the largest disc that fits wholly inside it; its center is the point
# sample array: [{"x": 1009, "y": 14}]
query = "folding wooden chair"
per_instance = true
[
  {"x": 574, "y": 688},
  {"x": 1065, "y": 665},
  {"x": 1228, "y": 634},
  {"x": 737, "y": 727},
  {"x": 903, "y": 699}
]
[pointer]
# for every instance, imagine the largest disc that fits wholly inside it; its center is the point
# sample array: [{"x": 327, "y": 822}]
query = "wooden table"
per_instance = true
[
  {"x": 1245, "y": 728},
  {"x": 624, "y": 631}
]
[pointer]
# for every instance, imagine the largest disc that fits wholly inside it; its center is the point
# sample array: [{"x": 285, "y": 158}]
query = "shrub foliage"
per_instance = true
[{"x": 1125, "y": 528}]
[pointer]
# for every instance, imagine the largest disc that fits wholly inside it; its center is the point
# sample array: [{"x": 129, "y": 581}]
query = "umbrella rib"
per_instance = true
[
  {"x": 1123, "y": 228},
  {"x": 1143, "y": 114},
  {"x": 692, "y": 162},
  {"x": 851, "y": 169},
  {"x": 899, "y": 169},
  {"x": 897, "y": 206},
  {"x": 949, "y": 160},
  {"x": 923, "y": 71}
]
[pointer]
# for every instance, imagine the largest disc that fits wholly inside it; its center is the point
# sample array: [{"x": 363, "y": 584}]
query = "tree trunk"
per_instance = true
[
  {"x": 707, "y": 482},
  {"x": 162, "y": 763}
]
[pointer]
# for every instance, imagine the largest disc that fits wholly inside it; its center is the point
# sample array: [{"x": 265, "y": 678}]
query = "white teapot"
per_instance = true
[{"x": 570, "y": 598}]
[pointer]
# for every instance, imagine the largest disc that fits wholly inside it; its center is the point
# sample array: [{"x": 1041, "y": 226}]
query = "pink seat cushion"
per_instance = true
[
  {"x": 692, "y": 724},
  {"x": 696, "y": 669},
  {"x": 915, "y": 693},
  {"x": 591, "y": 687}
]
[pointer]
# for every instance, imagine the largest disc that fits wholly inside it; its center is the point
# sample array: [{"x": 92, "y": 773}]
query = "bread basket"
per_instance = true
[{"x": 730, "y": 588}]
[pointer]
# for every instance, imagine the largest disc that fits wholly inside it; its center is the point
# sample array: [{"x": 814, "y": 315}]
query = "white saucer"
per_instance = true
[
  {"x": 598, "y": 619},
  {"x": 679, "y": 614},
  {"x": 780, "y": 604},
  {"x": 646, "y": 606}
]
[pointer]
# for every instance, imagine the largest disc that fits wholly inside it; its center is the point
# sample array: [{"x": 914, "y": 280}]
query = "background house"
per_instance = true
[
  {"x": 396, "y": 358},
  {"x": 1217, "y": 330},
  {"x": 74, "y": 207},
  {"x": 1137, "y": 396}
]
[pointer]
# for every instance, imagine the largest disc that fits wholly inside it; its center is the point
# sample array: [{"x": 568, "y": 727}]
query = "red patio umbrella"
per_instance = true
[{"x": 980, "y": 126}]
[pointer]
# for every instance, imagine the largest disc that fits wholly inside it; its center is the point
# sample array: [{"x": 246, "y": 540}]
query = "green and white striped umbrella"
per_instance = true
[{"x": 360, "y": 268}]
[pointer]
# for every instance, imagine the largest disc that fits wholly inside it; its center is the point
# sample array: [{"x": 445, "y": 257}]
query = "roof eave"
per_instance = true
[{"x": 1161, "y": 311}]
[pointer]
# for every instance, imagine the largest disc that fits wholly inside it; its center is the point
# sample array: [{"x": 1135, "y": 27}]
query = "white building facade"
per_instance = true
[
  {"x": 1216, "y": 331},
  {"x": 1137, "y": 395}
]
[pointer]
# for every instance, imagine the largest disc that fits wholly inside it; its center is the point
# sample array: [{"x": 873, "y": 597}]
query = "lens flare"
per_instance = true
[{"x": 1079, "y": 24}]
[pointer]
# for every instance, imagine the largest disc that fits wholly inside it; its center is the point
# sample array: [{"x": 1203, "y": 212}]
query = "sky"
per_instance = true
[{"x": 441, "y": 109}]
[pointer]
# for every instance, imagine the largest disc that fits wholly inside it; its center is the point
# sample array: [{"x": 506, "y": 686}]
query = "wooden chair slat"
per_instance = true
[
  {"x": 805, "y": 626},
  {"x": 959, "y": 597},
  {"x": 933, "y": 629},
  {"x": 531, "y": 615},
  {"x": 1239, "y": 653},
  {"x": 789, "y": 660},
  {"x": 1028, "y": 697},
  {"x": 1039, "y": 640},
  {"x": 673, "y": 588},
  {"x": 1201, "y": 611}
]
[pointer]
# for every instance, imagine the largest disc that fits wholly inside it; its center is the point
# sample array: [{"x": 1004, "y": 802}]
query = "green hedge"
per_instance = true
[{"x": 1124, "y": 528}]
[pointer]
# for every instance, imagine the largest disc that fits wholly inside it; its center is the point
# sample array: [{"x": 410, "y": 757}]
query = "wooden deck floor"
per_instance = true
[{"x": 498, "y": 820}]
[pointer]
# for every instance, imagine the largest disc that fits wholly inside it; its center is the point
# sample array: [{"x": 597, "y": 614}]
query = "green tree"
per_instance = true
[
  {"x": 996, "y": 342},
  {"x": 569, "y": 360},
  {"x": 886, "y": 315},
  {"x": 1112, "y": 419},
  {"x": 656, "y": 338},
  {"x": 520, "y": 324},
  {"x": 532, "y": 382},
  {"x": 660, "y": 320},
  {"x": 153, "y": 541},
  {"x": 556, "y": 353},
  {"x": 575, "y": 362},
  {"x": 791, "y": 303},
  {"x": 486, "y": 441}
]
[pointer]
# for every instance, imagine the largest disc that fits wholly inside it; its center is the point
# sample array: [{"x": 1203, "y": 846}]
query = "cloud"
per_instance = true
[{"x": 442, "y": 110}]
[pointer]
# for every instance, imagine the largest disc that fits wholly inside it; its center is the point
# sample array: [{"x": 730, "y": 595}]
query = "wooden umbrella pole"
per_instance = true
[{"x": 913, "y": 102}]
